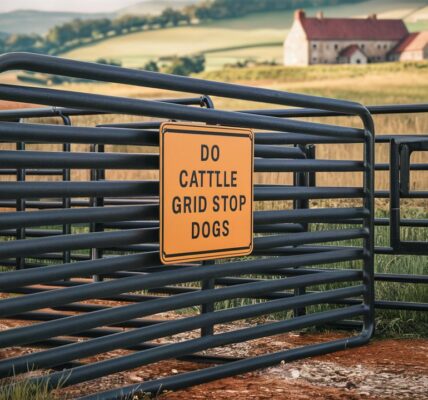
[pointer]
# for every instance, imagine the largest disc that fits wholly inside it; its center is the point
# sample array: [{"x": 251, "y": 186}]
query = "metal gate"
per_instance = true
[
  {"x": 399, "y": 167},
  {"x": 73, "y": 235}
]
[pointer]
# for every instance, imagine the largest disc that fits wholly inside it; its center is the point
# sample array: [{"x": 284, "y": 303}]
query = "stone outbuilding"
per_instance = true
[
  {"x": 352, "y": 55},
  {"x": 413, "y": 48},
  {"x": 320, "y": 40}
]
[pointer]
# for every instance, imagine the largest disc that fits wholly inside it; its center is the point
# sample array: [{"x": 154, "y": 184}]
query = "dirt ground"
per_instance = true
[
  {"x": 384, "y": 370},
  {"x": 388, "y": 369}
]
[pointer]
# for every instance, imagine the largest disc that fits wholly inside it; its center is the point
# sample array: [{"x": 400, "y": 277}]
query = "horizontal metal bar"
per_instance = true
[
  {"x": 401, "y": 278},
  {"x": 17, "y": 114},
  {"x": 32, "y": 232},
  {"x": 103, "y": 344},
  {"x": 308, "y": 215},
  {"x": 131, "y": 224},
  {"x": 400, "y": 251},
  {"x": 274, "y": 165},
  {"x": 19, "y": 248},
  {"x": 133, "y": 125},
  {"x": 82, "y": 322},
  {"x": 400, "y": 305},
  {"x": 267, "y": 242},
  {"x": 52, "y": 204},
  {"x": 24, "y": 219},
  {"x": 279, "y": 192},
  {"x": 19, "y": 190},
  {"x": 51, "y": 273},
  {"x": 267, "y": 151},
  {"x": 374, "y": 110},
  {"x": 50, "y": 159},
  {"x": 278, "y": 228},
  {"x": 382, "y": 138},
  {"x": 33, "y": 172},
  {"x": 286, "y": 138},
  {"x": 412, "y": 167},
  {"x": 44, "y": 133}
]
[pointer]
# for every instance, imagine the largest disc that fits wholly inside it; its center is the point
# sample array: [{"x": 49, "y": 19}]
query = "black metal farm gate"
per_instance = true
[{"x": 73, "y": 233}]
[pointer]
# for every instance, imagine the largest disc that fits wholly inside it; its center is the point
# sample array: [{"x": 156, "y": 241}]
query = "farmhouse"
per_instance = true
[{"x": 321, "y": 40}]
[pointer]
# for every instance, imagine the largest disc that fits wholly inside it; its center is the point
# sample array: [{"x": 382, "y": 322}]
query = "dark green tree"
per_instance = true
[
  {"x": 186, "y": 65},
  {"x": 151, "y": 66}
]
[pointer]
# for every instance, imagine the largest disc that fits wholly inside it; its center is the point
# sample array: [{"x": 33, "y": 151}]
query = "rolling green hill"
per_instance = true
[
  {"x": 155, "y": 6},
  {"x": 256, "y": 36},
  {"x": 33, "y": 21}
]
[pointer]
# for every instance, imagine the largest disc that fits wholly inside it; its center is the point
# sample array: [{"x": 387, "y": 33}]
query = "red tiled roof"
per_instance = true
[
  {"x": 413, "y": 42},
  {"x": 350, "y": 50},
  {"x": 352, "y": 28}
]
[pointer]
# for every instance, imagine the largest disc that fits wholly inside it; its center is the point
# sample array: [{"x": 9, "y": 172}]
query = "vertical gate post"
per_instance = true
[
  {"x": 20, "y": 205},
  {"x": 97, "y": 174},
  {"x": 301, "y": 179},
  {"x": 66, "y": 177},
  {"x": 394, "y": 201},
  {"x": 207, "y": 307}
]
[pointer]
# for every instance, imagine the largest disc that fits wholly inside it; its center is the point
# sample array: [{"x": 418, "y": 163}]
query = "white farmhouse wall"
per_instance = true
[
  {"x": 296, "y": 47},
  {"x": 415, "y": 55}
]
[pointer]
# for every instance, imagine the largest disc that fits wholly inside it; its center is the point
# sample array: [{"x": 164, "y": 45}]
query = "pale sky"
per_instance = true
[{"x": 66, "y": 5}]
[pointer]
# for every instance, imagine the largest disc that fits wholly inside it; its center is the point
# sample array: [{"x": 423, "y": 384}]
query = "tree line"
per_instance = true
[{"x": 72, "y": 34}]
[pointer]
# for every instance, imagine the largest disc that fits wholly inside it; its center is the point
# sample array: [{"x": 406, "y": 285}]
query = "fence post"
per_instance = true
[
  {"x": 66, "y": 176},
  {"x": 394, "y": 201},
  {"x": 207, "y": 307},
  {"x": 97, "y": 174},
  {"x": 20, "y": 205},
  {"x": 301, "y": 179}
]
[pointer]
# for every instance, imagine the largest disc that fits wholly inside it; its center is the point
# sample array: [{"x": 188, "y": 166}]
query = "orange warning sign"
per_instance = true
[{"x": 206, "y": 192}]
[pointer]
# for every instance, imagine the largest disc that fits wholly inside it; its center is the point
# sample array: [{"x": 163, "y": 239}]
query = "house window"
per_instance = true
[
  {"x": 314, "y": 59},
  {"x": 378, "y": 46},
  {"x": 336, "y": 47},
  {"x": 362, "y": 46},
  {"x": 385, "y": 46},
  {"x": 314, "y": 46},
  {"x": 358, "y": 61}
]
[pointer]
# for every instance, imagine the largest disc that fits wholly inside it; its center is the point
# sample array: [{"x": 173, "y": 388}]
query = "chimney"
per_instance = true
[
  {"x": 299, "y": 15},
  {"x": 320, "y": 15},
  {"x": 372, "y": 16}
]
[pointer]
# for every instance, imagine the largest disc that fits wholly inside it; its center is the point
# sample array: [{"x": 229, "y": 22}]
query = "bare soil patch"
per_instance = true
[{"x": 387, "y": 369}]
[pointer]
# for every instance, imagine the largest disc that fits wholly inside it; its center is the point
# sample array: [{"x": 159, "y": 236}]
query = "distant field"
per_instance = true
[
  {"x": 257, "y": 36},
  {"x": 136, "y": 49}
]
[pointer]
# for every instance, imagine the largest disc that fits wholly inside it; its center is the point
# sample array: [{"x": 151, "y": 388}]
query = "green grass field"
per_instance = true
[{"x": 256, "y": 36}]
